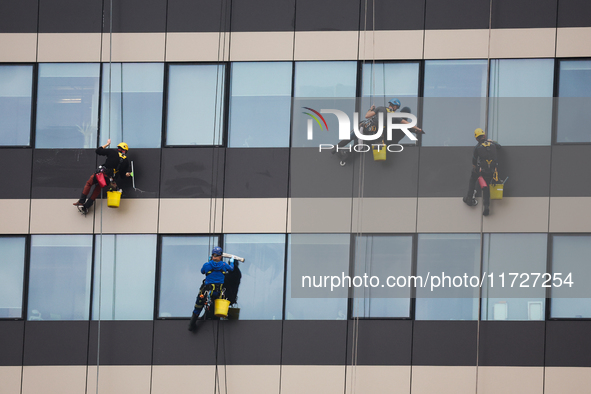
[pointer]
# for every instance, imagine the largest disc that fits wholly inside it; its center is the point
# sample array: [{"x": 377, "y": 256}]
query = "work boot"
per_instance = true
[
  {"x": 193, "y": 322},
  {"x": 470, "y": 201},
  {"x": 81, "y": 201},
  {"x": 485, "y": 212},
  {"x": 84, "y": 208}
]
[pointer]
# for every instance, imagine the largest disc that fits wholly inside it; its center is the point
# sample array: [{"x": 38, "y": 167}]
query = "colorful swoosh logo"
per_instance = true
[{"x": 315, "y": 118}]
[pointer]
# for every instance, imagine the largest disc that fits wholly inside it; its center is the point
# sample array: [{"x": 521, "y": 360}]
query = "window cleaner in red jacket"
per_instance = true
[{"x": 114, "y": 167}]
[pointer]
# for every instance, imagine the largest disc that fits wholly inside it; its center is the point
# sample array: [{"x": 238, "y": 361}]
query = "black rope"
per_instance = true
[{"x": 217, "y": 130}]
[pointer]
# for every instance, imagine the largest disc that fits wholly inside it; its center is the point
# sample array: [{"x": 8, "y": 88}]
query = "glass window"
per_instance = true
[
  {"x": 16, "y": 88},
  {"x": 322, "y": 85},
  {"x": 12, "y": 271},
  {"x": 325, "y": 79},
  {"x": 260, "y": 296},
  {"x": 260, "y": 104},
  {"x": 180, "y": 273},
  {"x": 520, "y": 108},
  {"x": 126, "y": 266},
  {"x": 455, "y": 101},
  {"x": 448, "y": 257},
  {"x": 59, "y": 277},
  {"x": 195, "y": 104},
  {"x": 574, "y": 92},
  {"x": 505, "y": 255},
  {"x": 316, "y": 255},
  {"x": 67, "y": 105},
  {"x": 385, "y": 81},
  {"x": 132, "y": 100},
  {"x": 570, "y": 255},
  {"x": 382, "y": 256}
]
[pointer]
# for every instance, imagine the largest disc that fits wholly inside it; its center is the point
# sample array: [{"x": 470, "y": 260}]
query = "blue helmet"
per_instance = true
[
  {"x": 395, "y": 101},
  {"x": 217, "y": 251}
]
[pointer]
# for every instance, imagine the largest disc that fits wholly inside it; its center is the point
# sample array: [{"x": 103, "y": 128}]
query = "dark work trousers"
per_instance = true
[
  {"x": 472, "y": 186},
  {"x": 201, "y": 297},
  {"x": 97, "y": 189}
]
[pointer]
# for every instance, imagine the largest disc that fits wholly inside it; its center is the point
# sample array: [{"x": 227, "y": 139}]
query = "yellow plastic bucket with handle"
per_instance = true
[
  {"x": 379, "y": 155},
  {"x": 221, "y": 307},
  {"x": 113, "y": 199},
  {"x": 496, "y": 191}
]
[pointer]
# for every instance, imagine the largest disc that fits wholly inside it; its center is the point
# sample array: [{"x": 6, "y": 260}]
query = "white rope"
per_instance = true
[
  {"x": 121, "y": 100},
  {"x": 100, "y": 273},
  {"x": 360, "y": 194},
  {"x": 482, "y": 217},
  {"x": 110, "y": 61}
]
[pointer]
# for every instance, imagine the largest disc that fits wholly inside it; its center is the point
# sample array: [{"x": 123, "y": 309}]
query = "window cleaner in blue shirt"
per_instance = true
[{"x": 214, "y": 271}]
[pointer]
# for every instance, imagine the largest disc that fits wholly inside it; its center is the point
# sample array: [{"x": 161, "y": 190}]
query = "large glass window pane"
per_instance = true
[
  {"x": 322, "y": 85},
  {"x": 180, "y": 273},
  {"x": 260, "y": 104},
  {"x": 59, "y": 277},
  {"x": 382, "y": 256},
  {"x": 195, "y": 104},
  {"x": 67, "y": 105},
  {"x": 315, "y": 255},
  {"x": 455, "y": 102},
  {"x": 124, "y": 276},
  {"x": 385, "y": 81},
  {"x": 520, "y": 106},
  {"x": 12, "y": 270},
  {"x": 448, "y": 257},
  {"x": 504, "y": 256},
  {"x": 574, "y": 92},
  {"x": 570, "y": 255},
  {"x": 260, "y": 296},
  {"x": 132, "y": 100},
  {"x": 325, "y": 79},
  {"x": 16, "y": 87}
]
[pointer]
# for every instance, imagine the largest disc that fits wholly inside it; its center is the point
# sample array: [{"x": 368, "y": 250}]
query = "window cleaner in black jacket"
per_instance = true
[
  {"x": 485, "y": 164},
  {"x": 115, "y": 165}
]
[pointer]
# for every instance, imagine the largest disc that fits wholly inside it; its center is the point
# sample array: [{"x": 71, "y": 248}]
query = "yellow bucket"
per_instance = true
[
  {"x": 221, "y": 307},
  {"x": 379, "y": 155},
  {"x": 113, "y": 199},
  {"x": 496, "y": 191}
]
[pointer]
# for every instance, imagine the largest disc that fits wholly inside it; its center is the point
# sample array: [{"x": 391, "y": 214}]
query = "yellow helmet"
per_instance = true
[
  {"x": 123, "y": 146},
  {"x": 478, "y": 132}
]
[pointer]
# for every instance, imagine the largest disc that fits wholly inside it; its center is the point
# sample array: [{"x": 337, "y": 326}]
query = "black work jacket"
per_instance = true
[{"x": 115, "y": 165}]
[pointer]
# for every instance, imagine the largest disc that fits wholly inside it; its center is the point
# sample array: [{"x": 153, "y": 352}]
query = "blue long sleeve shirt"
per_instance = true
[{"x": 214, "y": 271}]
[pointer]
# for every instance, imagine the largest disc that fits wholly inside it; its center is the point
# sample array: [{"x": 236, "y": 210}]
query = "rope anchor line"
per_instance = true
[{"x": 100, "y": 273}]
